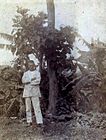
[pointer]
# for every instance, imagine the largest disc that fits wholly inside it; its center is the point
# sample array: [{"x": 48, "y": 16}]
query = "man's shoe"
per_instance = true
[
  {"x": 29, "y": 124},
  {"x": 40, "y": 125}
]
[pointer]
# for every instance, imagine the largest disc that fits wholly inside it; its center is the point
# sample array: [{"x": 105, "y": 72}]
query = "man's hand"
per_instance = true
[{"x": 33, "y": 79}]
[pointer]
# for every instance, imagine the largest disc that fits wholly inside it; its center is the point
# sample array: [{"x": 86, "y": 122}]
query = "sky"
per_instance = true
[{"x": 87, "y": 16}]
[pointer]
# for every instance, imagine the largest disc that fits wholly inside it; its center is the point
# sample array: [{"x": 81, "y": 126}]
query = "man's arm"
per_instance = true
[
  {"x": 36, "y": 79},
  {"x": 26, "y": 79}
]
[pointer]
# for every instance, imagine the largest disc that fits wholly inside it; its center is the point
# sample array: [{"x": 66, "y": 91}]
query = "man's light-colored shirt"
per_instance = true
[{"x": 31, "y": 89}]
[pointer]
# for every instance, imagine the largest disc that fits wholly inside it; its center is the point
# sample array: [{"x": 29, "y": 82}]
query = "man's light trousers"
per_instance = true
[{"x": 36, "y": 105}]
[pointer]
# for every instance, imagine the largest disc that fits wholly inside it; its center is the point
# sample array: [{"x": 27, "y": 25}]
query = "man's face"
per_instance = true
[{"x": 31, "y": 66}]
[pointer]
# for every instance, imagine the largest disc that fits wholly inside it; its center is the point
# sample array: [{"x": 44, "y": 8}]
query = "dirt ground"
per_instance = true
[{"x": 75, "y": 129}]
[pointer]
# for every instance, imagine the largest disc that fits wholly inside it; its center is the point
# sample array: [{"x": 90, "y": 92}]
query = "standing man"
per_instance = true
[{"x": 31, "y": 80}]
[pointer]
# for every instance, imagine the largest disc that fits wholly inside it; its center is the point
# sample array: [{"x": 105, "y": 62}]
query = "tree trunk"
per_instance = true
[
  {"x": 53, "y": 90},
  {"x": 51, "y": 14},
  {"x": 53, "y": 86}
]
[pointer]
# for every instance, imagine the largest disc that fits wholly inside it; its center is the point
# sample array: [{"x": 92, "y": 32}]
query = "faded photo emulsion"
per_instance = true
[{"x": 53, "y": 70}]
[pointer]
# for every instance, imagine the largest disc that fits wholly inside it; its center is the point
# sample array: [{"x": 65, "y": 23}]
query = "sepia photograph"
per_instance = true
[{"x": 53, "y": 70}]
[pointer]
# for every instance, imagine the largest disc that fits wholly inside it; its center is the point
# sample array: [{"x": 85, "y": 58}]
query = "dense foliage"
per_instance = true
[{"x": 32, "y": 36}]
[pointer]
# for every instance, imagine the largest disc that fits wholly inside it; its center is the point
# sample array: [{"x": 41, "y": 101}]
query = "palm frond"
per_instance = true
[
  {"x": 7, "y": 46},
  {"x": 7, "y": 36},
  {"x": 81, "y": 38}
]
